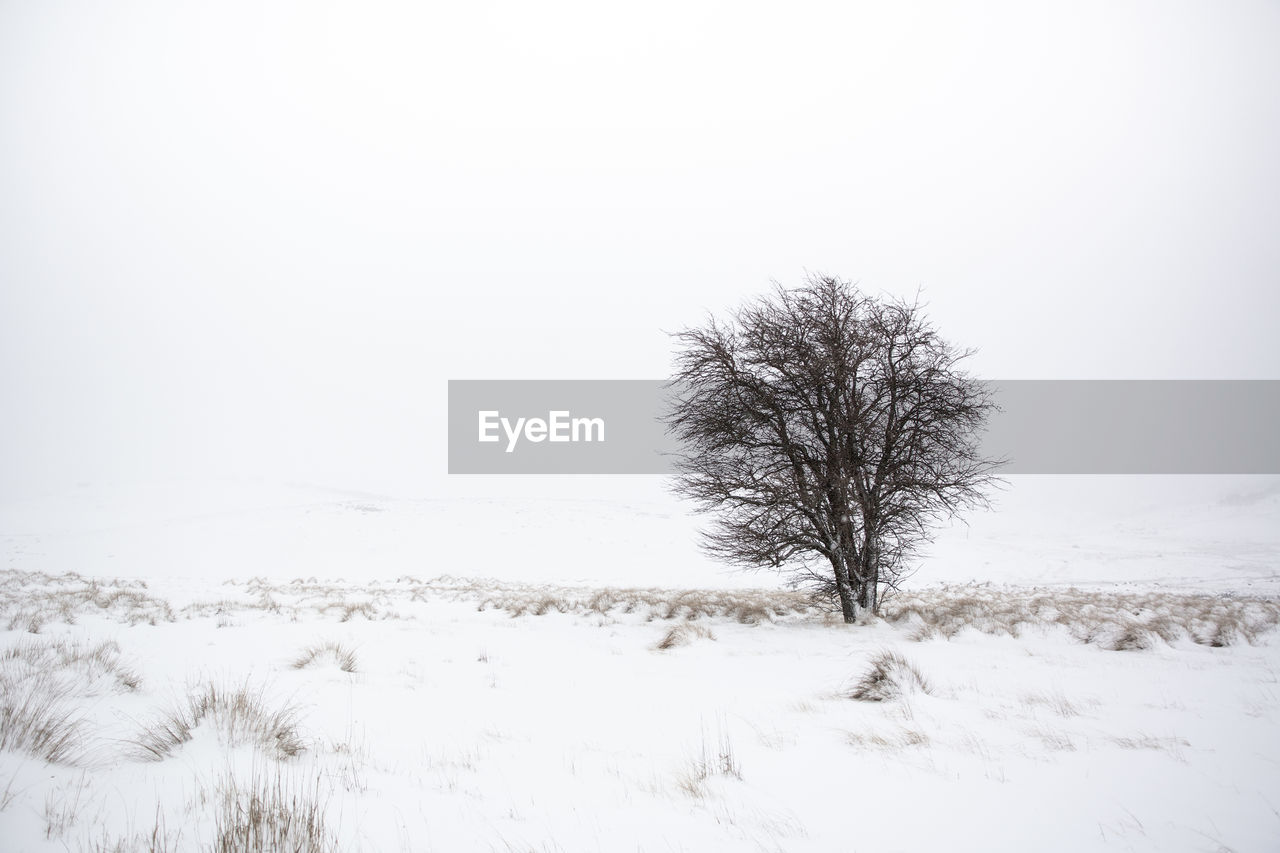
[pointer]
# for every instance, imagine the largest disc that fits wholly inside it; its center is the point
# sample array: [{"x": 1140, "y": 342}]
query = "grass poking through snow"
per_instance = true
[
  {"x": 41, "y": 681},
  {"x": 271, "y": 812},
  {"x": 889, "y": 677},
  {"x": 1116, "y": 621},
  {"x": 327, "y": 652},
  {"x": 683, "y": 635},
  {"x": 36, "y": 717},
  {"x": 238, "y": 715},
  {"x": 712, "y": 759}
]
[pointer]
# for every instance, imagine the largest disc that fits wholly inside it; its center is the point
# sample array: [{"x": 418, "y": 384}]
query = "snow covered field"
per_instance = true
[{"x": 233, "y": 665}]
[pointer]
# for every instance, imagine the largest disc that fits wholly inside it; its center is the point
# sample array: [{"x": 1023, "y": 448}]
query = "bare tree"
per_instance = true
[{"x": 828, "y": 431}]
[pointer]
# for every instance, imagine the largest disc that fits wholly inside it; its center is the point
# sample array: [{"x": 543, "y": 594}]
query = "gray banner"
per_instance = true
[{"x": 1044, "y": 427}]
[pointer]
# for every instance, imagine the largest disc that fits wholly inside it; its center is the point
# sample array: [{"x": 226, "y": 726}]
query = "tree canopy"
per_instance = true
[{"x": 828, "y": 431}]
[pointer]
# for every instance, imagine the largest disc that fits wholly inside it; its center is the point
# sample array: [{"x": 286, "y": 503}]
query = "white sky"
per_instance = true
[{"x": 255, "y": 238}]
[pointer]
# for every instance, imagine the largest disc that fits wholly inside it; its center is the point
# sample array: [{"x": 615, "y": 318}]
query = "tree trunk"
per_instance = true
[
  {"x": 869, "y": 580},
  {"x": 867, "y": 595},
  {"x": 848, "y": 596}
]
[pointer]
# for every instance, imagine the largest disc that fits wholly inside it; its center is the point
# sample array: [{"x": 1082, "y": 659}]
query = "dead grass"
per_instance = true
[
  {"x": 377, "y": 600},
  {"x": 41, "y": 681},
  {"x": 158, "y": 840},
  {"x": 1053, "y": 739},
  {"x": 683, "y": 635},
  {"x": 748, "y": 607},
  {"x": 1111, "y": 620},
  {"x": 30, "y": 600},
  {"x": 1171, "y": 745},
  {"x": 98, "y": 667},
  {"x": 269, "y": 813},
  {"x": 239, "y": 715},
  {"x": 900, "y": 739},
  {"x": 327, "y": 652},
  {"x": 716, "y": 759},
  {"x": 1056, "y": 702},
  {"x": 36, "y": 717},
  {"x": 62, "y": 805},
  {"x": 890, "y": 676}
]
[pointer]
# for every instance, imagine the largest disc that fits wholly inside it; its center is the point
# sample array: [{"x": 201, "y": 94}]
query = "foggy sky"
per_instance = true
[{"x": 254, "y": 239}]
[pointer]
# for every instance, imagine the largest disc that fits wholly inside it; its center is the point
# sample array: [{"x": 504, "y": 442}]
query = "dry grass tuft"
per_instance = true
[
  {"x": 683, "y": 635},
  {"x": 1052, "y": 739},
  {"x": 889, "y": 677},
  {"x": 334, "y": 652},
  {"x": 36, "y": 718},
  {"x": 1124, "y": 638},
  {"x": 898, "y": 740},
  {"x": 238, "y": 715},
  {"x": 271, "y": 814},
  {"x": 718, "y": 760},
  {"x": 1172, "y": 745},
  {"x": 1056, "y": 702}
]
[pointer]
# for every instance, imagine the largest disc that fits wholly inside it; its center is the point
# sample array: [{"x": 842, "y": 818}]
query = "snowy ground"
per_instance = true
[{"x": 206, "y": 674}]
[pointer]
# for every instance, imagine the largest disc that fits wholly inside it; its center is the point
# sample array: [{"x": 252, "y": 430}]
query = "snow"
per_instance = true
[{"x": 464, "y": 727}]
